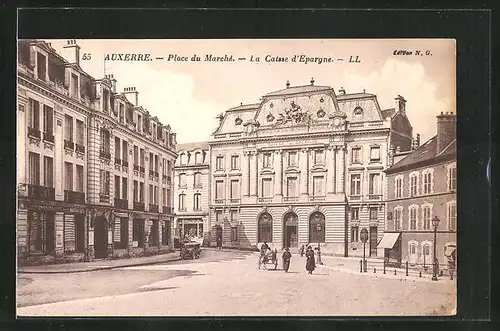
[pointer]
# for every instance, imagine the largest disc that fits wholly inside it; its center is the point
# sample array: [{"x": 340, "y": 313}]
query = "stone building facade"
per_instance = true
[
  {"x": 94, "y": 168},
  {"x": 304, "y": 165},
  {"x": 420, "y": 186},
  {"x": 192, "y": 188}
]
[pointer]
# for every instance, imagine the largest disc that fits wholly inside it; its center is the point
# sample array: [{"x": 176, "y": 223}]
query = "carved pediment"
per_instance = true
[{"x": 294, "y": 115}]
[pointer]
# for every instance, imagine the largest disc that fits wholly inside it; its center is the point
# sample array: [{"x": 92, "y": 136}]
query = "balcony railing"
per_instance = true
[
  {"x": 183, "y": 186},
  {"x": 234, "y": 200},
  {"x": 74, "y": 197},
  {"x": 374, "y": 196},
  {"x": 317, "y": 198},
  {"x": 141, "y": 169},
  {"x": 118, "y": 161},
  {"x": 198, "y": 185},
  {"x": 121, "y": 203},
  {"x": 139, "y": 206},
  {"x": 104, "y": 198},
  {"x": 80, "y": 149},
  {"x": 169, "y": 179},
  {"x": 151, "y": 173},
  {"x": 167, "y": 210},
  {"x": 68, "y": 144},
  {"x": 136, "y": 167},
  {"x": 183, "y": 209},
  {"x": 125, "y": 163},
  {"x": 355, "y": 197},
  {"x": 33, "y": 132},
  {"x": 267, "y": 199},
  {"x": 41, "y": 192},
  {"x": 48, "y": 136},
  {"x": 290, "y": 199},
  {"x": 156, "y": 174},
  {"x": 105, "y": 154},
  {"x": 153, "y": 208},
  {"x": 220, "y": 201}
]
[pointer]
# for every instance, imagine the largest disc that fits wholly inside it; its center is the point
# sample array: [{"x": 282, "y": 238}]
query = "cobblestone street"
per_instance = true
[{"x": 230, "y": 284}]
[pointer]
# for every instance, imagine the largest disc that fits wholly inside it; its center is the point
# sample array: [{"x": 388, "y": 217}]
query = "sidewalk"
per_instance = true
[{"x": 99, "y": 265}]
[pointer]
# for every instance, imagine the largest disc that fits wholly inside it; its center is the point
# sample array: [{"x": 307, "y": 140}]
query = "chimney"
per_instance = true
[
  {"x": 417, "y": 141},
  {"x": 446, "y": 130},
  {"x": 391, "y": 156},
  {"x": 287, "y": 84},
  {"x": 132, "y": 95},
  {"x": 72, "y": 52},
  {"x": 400, "y": 104},
  {"x": 312, "y": 81},
  {"x": 342, "y": 91},
  {"x": 113, "y": 82}
]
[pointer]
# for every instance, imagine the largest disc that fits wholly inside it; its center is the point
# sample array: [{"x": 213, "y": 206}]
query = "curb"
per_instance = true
[{"x": 96, "y": 268}]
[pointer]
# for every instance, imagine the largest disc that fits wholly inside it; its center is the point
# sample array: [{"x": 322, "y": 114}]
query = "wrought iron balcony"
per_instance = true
[
  {"x": 141, "y": 169},
  {"x": 121, "y": 203},
  {"x": 267, "y": 199},
  {"x": 139, "y": 206},
  {"x": 80, "y": 148},
  {"x": 234, "y": 200},
  {"x": 118, "y": 161},
  {"x": 355, "y": 197},
  {"x": 153, "y": 208},
  {"x": 34, "y": 132},
  {"x": 74, "y": 197},
  {"x": 41, "y": 192},
  {"x": 198, "y": 185},
  {"x": 103, "y": 198},
  {"x": 68, "y": 144},
  {"x": 167, "y": 210},
  {"x": 156, "y": 174},
  {"x": 220, "y": 201},
  {"x": 317, "y": 198},
  {"x": 125, "y": 163},
  {"x": 169, "y": 179},
  {"x": 374, "y": 196},
  {"x": 136, "y": 167},
  {"x": 290, "y": 199},
  {"x": 105, "y": 154},
  {"x": 48, "y": 136}
]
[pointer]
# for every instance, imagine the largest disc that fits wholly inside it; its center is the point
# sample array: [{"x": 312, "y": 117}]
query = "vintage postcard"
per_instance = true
[{"x": 235, "y": 177}]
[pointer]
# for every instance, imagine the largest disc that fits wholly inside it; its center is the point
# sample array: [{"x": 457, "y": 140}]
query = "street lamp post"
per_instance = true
[
  {"x": 435, "y": 223},
  {"x": 364, "y": 239}
]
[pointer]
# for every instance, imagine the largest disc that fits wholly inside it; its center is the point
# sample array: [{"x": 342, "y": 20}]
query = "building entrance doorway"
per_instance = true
[
  {"x": 290, "y": 230},
  {"x": 218, "y": 233},
  {"x": 80, "y": 233},
  {"x": 373, "y": 241},
  {"x": 50, "y": 234},
  {"x": 100, "y": 237}
]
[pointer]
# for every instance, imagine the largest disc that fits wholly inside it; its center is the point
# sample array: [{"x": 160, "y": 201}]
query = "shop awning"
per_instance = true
[{"x": 388, "y": 240}]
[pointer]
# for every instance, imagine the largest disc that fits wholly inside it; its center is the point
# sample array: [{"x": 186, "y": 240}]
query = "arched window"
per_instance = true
[
  {"x": 182, "y": 206},
  {"x": 197, "y": 202},
  {"x": 197, "y": 179},
  {"x": 317, "y": 228},
  {"x": 265, "y": 228}
]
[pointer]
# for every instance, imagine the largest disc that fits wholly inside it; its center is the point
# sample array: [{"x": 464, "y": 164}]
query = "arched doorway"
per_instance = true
[
  {"x": 317, "y": 227},
  {"x": 290, "y": 230},
  {"x": 265, "y": 228}
]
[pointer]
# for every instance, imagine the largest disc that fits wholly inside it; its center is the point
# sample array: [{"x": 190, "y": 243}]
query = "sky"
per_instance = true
[{"x": 189, "y": 94}]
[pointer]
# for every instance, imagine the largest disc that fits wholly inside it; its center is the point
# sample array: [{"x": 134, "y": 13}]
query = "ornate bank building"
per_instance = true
[{"x": 304, "y": 165}]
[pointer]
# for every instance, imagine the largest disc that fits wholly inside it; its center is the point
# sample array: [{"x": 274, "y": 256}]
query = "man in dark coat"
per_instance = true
[
  {"x": 286, "y": 259},
  {"x": 219, "y": 243},
  {"x": 310, "y": 263}
]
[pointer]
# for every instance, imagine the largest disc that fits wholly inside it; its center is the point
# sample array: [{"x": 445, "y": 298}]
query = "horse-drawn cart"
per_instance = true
[{"x": 190, "y": 250}]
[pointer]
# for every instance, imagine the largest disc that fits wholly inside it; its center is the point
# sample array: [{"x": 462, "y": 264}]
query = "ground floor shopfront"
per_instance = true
[
  {"x": 280, "y": 226},
  {"x": 57, "y": 232}
]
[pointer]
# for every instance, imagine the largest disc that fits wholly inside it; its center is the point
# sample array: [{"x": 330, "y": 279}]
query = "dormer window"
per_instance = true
[
  {"x": 105, "y": 100},
  {"x": 121, "y": 112},
  {"x": 41, "y": 63},
  {"x": 74, "y": 85}
]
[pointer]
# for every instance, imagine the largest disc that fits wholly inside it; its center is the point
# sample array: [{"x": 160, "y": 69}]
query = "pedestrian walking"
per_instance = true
[
  {"x": 286, "y": 259},
  {"x": 319, "y": 262},
  {"x": 301, "y": 250},
  {"x": 219, "y": 243},
  {"x": 310, "y": 263}
]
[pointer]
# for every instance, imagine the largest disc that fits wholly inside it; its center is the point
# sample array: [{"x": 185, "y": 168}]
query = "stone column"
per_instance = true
[
  {"x": 278, "y": 177},
  {"x": 330, "y": 160},
  {"x": 341, "y": 169},
  {"x": 90, "y": 239},
  {"x": 130, "y": 231},
  {"x": 304, "y": 171},
  {"x": 245, "y": 185},
  {"x": 59, "y": 153},
  {"x": 130, "y": 175},
  {"x": 256, "y": 173},
  {"x": 93, "y": 162},
  {"x": 22, "y": 153},
  {"x": 254, "y": 177}
]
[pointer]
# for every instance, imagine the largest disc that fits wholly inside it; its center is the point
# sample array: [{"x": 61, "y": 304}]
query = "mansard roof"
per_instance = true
[
  {"x": 426, "y": 154},
  {"x": 298, "y": 90},
  {"x": 203, "y": 145}
]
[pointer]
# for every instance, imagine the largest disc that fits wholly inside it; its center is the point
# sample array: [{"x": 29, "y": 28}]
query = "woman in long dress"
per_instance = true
[
  {"x": 310, "y": 263},
  {"x": 286, "y": 259}
]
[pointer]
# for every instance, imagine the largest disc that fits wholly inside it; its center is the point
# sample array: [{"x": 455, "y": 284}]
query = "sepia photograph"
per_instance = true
[{"x": 236, "y": 177}]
